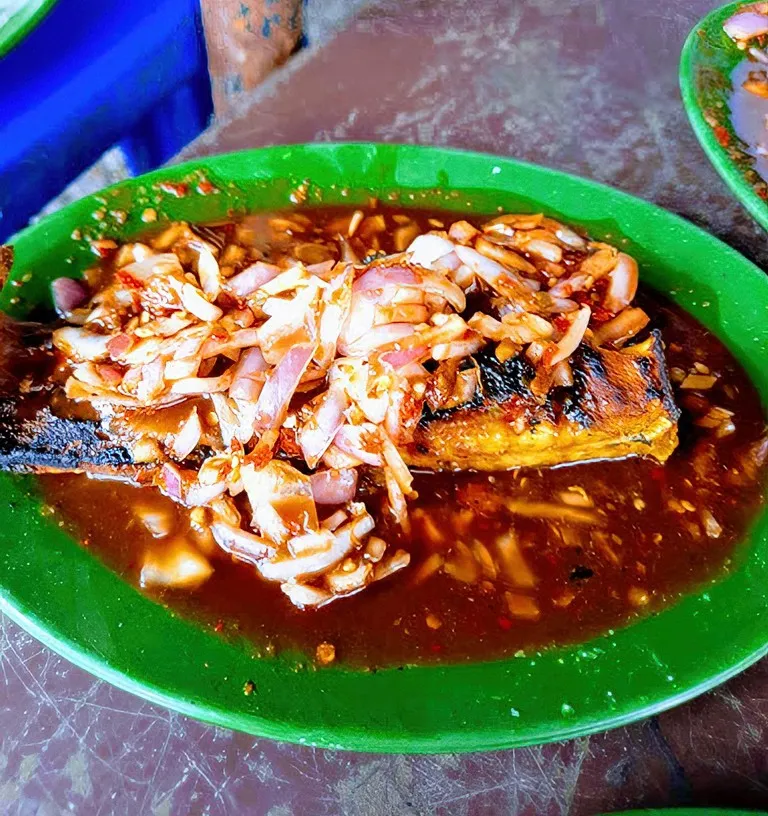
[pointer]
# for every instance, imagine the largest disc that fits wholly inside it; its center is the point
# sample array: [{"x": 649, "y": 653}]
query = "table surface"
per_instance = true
[{"x": 588, "y": 86}]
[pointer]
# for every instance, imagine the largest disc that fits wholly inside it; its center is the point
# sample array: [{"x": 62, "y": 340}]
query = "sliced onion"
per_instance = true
[
  {"x": 557, "y": 305},
  {"x": 203, "y": 385},
  {"x": 396, "y": 498},
  {"x": 569, "y": 237},
  {"x": 378, "y": 277},
  {"x": 379, "y": 337},
  {"x": 171, "y": 482},
  {"x": 208, "y": 271},
  {"x": 405, "y": 357},
  {"x": 182, "y": 567},
  {"x": 446, "y": 329},
  {"x": 341, "y": 582},
  {"x": 110, "y": 374},
  {"x": 281, "y": 500},
  {"x": 336, "y": 305},
  {"x": 252, "y": 278},
  {"x": 334, "y": 486},
  {"x": 437, "y": 284},
  {"x": 200, "y": 495},
  {"x": 249, "y": 375},
  {"x": 505, "y": 256},
  {"x": 357, "y": 441},
  {"x": 242, "y": 545},
  {"x": 321, "y": 269},
  {"x": 562, "y": 375},
  {"x": 316, "y": 434},
  {"x": 81, "y": 344},
  {"x": 360, "y": 319},
  {"x": 336, "y": 519},
  {"x": 142, "y": 352},
  {"x": 569, "y": 286},
  {"x": 303, "y": 596},
  {"x": 402, "y": 313},
  {"x": 119, "y": 344},
  {"x": 426, "y": 249},
  {"x": 405, "y": 408},
  {"x": 188, "y": 343},
  {"x": 622, "y": 283},
  {"x": 524, "y": 327},
  {"x": 280, "y": 386},
  {"x": 88, "y": 373},
  {"x": 519, "y": 327},
  {"x": 164, "y": 326},
  {"x": 388, "y": 566},
  {"x": 307, "y": 566},
  {"x": 228, "y": 421},
  {"x": 396, "y": 465},
  {"x": 188, "y": 436},
  {"x": 458, "y": 348},
  {"x": 181, "y": 369},
  {"x": 242, "y": 338},
  {"x": 626, "y": 324},
  {"x": 545, "y": 249},
  {"x": 292, "y": 321},
  {"x": 745, "y": 25},
  {"x": 503, "y": 280},
  {"x": 286, "y": 281},
  {"x": 336, "y": 458},
  {"x": 487, "y": 326},
  {"x": 572, "y": 338},
  {"x": 462, "y": 231},
  {"x": 68, "y": 294},
  {"x": 194, "y": 302},
  {"x": 155, "y": 265}
]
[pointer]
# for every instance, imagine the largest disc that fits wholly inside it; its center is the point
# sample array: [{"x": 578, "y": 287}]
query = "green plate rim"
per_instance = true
[
  {"x": 22, "y": 23},
  {"x": 79, "y": 608},
  {"x": 732, "y": 162},
  {"x": 687, "y": 811}
]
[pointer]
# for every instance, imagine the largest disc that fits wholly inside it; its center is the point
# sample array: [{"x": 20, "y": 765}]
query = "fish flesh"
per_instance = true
[{"x": 620, "y": 405}]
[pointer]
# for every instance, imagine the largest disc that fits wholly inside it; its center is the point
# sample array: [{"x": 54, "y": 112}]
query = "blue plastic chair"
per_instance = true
[{"x": 94, "y": 74}]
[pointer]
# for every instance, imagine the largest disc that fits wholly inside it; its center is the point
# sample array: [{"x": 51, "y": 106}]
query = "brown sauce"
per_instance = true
[{"x": 668, "y": 529}]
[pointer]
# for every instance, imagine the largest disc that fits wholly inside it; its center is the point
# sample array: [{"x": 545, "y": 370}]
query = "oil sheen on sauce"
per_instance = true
[{"x": 669, "y": 529}]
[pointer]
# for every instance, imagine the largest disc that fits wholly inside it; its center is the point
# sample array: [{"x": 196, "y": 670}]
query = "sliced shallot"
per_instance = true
[
  {"x": 68, "y": 294},
  {"x": 253, "y": 278},
  {"x": 334, "y": 486},
  {"x": 188, "y": 436},
  {"x": 570, "y": 341}
]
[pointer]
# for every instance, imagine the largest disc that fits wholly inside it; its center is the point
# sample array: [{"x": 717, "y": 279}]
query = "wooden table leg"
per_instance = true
[{"x": 246, "y": 39}]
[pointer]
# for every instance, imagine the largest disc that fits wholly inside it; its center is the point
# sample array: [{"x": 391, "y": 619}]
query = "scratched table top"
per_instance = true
[{"x": 587, "y": 86}]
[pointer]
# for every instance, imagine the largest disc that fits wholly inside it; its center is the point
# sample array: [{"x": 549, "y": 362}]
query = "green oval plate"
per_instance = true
[
  {"x": 70, "y": 601},
  {"x": 22, "y": 22},
  {"x": 708, "y": 59},
  {"x": 704, "y": 811}
]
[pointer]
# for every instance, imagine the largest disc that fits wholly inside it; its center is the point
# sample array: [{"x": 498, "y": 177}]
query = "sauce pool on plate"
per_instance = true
[{"x": 500, "y": 562}]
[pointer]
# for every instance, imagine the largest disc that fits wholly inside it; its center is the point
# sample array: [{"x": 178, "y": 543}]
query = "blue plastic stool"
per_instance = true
[{"x": 94, "y": 74}]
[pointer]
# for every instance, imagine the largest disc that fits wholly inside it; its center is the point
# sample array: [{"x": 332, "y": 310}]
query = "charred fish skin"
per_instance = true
[
  {"x": 620, "y": 382},
  {"x": 621, "y": 404},
  {"x": 38, "y": 441}
]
